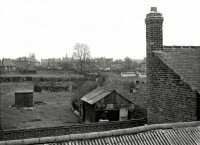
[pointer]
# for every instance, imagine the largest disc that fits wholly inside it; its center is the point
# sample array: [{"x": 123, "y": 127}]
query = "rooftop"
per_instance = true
[
  {"x": 182, "y": 133},
  {"x": 7, "y": 62},
  {"x": 98, "y": 94},
  {"x": 185, "y": 61},
  {"x": 27, "y": 59},
  {"x": 95, "y": 95},
  {"x": 24, "y": 91}
]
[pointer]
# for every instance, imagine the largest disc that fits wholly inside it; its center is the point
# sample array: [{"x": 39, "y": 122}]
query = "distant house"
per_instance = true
[
  {"x": 89, "y": 65},
  {"x": 51, "y": 63},
  {"x": 7, "y": 64},
  {"x": 141, "y": 67},
  {"x": 26, "y": 65},
  {"x": 117, "y": 65},
  {"x": 35, "y": 62},
  {"x": 128, "y": 74},
  {"x": 142, "y": 75},
  {"x": 108, "y": 62},
  {"x": 101, "y": 104},
  {"x": 67, "y": 63},
  {"x": 103, "y": 64},
  {"x": 44, "y": 63}
]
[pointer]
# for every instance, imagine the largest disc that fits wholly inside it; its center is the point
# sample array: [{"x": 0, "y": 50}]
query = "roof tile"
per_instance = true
[{"x": 185, "y": 62}]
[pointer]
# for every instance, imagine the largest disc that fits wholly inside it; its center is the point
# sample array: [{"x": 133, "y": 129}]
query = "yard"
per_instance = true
[
  {"x": 50, "y": 109},
  {"x": 55, "y": 108}
]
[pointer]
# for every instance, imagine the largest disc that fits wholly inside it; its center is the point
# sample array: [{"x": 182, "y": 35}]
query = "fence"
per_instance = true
[{"x": 63, "y": 130}]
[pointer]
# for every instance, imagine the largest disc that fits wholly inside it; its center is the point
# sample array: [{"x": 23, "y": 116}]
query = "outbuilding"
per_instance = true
[
  {"x": 105, "y": 105},
  {"x": 24, "y": 98}
]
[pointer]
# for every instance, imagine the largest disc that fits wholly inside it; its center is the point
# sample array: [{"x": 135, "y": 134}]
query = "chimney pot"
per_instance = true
[{"x": 153, "y": 9}]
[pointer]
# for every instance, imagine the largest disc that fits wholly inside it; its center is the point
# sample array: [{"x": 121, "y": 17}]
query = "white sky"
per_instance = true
[{"x": 111, "y": 28}]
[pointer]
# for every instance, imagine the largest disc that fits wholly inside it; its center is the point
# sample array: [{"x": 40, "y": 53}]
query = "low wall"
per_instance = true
[
  {"x": 40, "y": 79},
  {"x": 51, "y": 88},
  {"x": 63, "y": 130}
]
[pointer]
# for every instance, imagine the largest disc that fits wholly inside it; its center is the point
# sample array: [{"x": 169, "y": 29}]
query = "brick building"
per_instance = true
[
  {"x": 7, "y": 64},
  {"x": 26, "y": 65},
  {"x": 117, "y": 65},
  {"x": 173, "y": 76},
  {"x": 51, "y": 63}
]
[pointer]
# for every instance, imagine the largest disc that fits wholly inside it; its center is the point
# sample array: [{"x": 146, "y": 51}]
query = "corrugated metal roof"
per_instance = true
[
  {"x": 95, "y": 95},
  {"x": 181, "y": 133},
  {"x": 186, "y": 136}
]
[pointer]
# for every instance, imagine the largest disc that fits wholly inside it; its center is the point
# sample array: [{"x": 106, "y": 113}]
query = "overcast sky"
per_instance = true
[{"x": 111, "y": 28}]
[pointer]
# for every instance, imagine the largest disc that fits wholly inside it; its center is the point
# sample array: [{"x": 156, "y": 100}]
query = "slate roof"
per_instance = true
[
  {"x": 185, "y": 61},
  {"x": 95, "y": 95},
  {"x": 182, "y": 133}
]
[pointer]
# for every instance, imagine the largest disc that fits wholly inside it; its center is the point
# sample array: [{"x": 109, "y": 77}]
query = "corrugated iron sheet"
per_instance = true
[
  {"x": 182, "y": 136},
  {"x": 95, "y": 95}
]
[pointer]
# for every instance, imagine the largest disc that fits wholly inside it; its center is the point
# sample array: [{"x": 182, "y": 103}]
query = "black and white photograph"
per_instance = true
[{"x": 99, "y": 72}]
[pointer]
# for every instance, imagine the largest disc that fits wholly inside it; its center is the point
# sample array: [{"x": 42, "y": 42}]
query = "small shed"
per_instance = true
[
  {"x": 128, "y": 74},
  {"x": 101, "y": 104},
  {"x": 24, "y": 98}
]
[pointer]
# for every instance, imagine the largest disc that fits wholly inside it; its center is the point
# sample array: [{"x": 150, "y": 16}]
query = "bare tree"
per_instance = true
[{"x": 81, "y": 54}]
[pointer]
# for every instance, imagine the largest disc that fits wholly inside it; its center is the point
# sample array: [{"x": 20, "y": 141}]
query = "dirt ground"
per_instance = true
[
  {"x": 54, "y": 108},
  {"x": 50, "y": 108}
]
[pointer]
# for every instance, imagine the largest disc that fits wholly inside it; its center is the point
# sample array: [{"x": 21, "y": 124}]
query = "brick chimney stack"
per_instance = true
[
  {"x": 154, "y": 35},
  {"x": 154, "y": 41}
]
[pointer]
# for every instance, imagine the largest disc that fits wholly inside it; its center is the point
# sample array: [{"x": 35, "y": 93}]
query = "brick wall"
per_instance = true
[
  {"x": 64, "y": 130},
  {"x": 154, "y": 41},
  {"x": 170, "y": 98}
]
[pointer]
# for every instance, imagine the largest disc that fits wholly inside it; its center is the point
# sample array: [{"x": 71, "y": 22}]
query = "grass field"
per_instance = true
[{"x": 54, "y": 108}]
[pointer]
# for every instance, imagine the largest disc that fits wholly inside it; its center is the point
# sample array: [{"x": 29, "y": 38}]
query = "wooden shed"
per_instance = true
[
  {"x": 24, "y": 98},
  {"x": 105, "y": 105}
]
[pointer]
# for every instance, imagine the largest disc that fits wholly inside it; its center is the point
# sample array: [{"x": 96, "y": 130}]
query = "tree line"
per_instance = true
[{"x": 82, "y": 57}]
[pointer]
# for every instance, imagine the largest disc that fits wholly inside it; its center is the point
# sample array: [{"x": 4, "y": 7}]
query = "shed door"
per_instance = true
[{"x": 123, "y": 114}]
